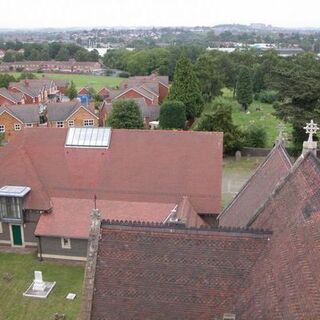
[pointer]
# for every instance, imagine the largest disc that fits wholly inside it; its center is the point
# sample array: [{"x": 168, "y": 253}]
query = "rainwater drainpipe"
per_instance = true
[{"x": 39, "y": 248}]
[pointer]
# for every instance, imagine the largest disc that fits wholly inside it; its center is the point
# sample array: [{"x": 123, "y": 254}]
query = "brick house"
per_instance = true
[
  {"x": 58, "y": 115},
  {"x": 153, "y": 89},
  {"x": 129, "y": 172},
  {"x": 70, "y": 66},
  {"x": 267, "y": 269},
  {"x": 7, "y": 97}
]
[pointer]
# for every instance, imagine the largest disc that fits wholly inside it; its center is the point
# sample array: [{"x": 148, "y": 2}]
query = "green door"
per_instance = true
[{"x": 16, "y": 234}]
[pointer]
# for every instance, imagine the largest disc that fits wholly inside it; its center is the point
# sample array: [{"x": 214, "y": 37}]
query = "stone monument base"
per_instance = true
[{"x": 43, "y": 294}]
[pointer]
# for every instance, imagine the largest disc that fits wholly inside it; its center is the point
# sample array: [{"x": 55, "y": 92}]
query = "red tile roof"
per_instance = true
[
  {"x": 257, "y": 189},
  {"x": 140, "y": 165},
  {"x": 146, "y": 272},
  {"x": 76, "y": 212},
  {"x": 285, "y": 281}
]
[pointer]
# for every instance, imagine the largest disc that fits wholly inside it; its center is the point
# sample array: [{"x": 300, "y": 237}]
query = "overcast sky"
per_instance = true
[{"x": 89, "y": 13}]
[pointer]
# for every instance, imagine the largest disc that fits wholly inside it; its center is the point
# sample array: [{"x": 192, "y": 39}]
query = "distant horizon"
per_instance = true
[{"x": 83, "y": 14}]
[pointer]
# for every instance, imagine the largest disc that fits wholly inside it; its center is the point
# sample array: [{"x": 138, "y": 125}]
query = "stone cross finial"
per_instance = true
[
  {"x": 281, "y": 127},
  {"x": 312, "y": 129}
]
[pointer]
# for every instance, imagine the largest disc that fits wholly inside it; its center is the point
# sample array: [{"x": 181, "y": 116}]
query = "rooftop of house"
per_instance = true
[
  {"x": 257, "y": 189},
  {"x": 156, "y": 271},
  {"x": 14, "y": 97},
  {"x": 139, "y": 166},
  {"x": 29, "y": 113}
]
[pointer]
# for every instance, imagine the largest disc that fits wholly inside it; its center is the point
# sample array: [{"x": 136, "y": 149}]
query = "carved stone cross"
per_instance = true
[
  {"x": 312, "y": 129},
  {"x": 281, "y": 128}
]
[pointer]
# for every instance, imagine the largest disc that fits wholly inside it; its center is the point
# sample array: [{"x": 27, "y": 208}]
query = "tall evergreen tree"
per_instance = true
[
  {"x": 72, "y": 91},
  {"x": 185, "y": 88},
  {"x": 244, "y": 88},
  {"x": 172, "y": 115}
]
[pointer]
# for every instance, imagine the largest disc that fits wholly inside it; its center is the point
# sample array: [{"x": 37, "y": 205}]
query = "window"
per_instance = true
[
  {"x": 71, "y": 123},
  {"x": 17, "y": 126},
  {"x": 88, "y": 123},
  {"x": 29, "y": 125},
  {"x": 65, "y": 243},
  {"x": 59, "y": 124},
  {"x": 2, "y": 128},
  {"x": 10, "y": 208}
]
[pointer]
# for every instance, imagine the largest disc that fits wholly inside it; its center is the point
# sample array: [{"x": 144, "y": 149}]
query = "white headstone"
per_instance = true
[
  {"x": 310, "y": 145},
  {"x": 38, "y": 284}
]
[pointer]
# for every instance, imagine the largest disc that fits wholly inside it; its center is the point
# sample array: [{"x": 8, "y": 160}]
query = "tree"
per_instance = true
[
  {"x": 5, "y": 79},
  {"x": 244, "y": 88},
  {"x": 185, "y": 88},
  {"x": 125, "y": 114},
  {"x": 172, "y": 115},
  {"x": 209, "y": 75},
  {"x": 63, "y": 54},
  {"x": 72, "y": 91},
  {"x": 219, "y": 118}
]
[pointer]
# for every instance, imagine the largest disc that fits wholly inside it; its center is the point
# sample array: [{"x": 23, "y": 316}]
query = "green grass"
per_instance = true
[
  {"x": 81, "y": 80},
  {"x": 264, "y": 118},
  {"x": 14, "y": 306}
]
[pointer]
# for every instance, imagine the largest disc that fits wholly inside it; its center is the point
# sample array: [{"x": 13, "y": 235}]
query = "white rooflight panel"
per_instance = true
[{"x": 88, "y": 138}]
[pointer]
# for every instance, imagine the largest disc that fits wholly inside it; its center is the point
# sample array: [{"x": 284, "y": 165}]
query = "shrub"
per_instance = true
[
  {"x": 172, "y": 115},
  {"x": 220, "y": 119},
  {"x": 255, "y": 137},
  {"x": 268, "y": 96},
  {"x": 124, "y": 74}
]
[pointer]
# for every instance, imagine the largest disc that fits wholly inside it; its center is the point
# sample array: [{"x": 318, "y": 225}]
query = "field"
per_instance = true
[
  {"x": 81, "y": 80},
  {"x": 261, "y": 114},
  {"x": 13, "y": 306}
]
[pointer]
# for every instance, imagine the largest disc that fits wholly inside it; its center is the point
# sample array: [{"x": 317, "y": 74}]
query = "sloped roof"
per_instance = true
[
  {"x": 13, "y": 97},
  {"x": 163, "y": 272},
  {"x": 285, "y": 281},
  {"x": 29, "y": 113},
  {"x": 140, "y": 165},
  {"x": 67, "y": 210},
  {"x": 257, "y": 189}
]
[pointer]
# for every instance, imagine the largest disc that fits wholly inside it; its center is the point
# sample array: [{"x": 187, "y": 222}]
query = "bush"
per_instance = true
[
  {"x": 172, "y": 115},
  {"x": 268, "y": 96},
  {"x": 220, "y": 119},
  {"x": 125, "y": 114},
  {"x": 124, "y": 74},
  {"x": 255, "y": 137},
  {"x": 109, "y": 72}
]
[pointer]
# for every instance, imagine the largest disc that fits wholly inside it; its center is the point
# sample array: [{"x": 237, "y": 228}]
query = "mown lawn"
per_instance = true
[
  {"x": 81, "y": 80},
  {"x": 14, "y": 306},
  {"x": 261, "y": 114}
]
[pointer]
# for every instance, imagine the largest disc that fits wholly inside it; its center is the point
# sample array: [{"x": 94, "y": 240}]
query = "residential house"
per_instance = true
[
  {"x": 267, "y": 269},
  {"x": 61, "y": 175},
  {"x": 153, "y": 89},
  {"x": 57, "y": 115},
  {"x": 8, "y": 98},
  {"x": 70, "y": 66}
]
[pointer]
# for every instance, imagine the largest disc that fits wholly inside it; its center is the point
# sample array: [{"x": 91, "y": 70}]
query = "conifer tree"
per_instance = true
[
  {"x": 72, "y": 91},
  {"x": 244, "y": 88},
  {"x": 185, "y": 88}
]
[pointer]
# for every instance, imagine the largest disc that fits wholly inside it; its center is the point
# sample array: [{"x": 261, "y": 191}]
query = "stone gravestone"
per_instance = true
[
  {"x": 238, "y": 155},
  {"x": 38, "y": 284}
]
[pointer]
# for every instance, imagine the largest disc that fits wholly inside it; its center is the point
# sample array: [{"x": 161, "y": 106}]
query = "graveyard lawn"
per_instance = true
[{"x": 14, "y": 306}]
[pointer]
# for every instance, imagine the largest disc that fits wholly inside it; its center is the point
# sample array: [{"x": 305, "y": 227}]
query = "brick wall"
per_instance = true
[
  {"x": 9, "y": 122},
  {"x": 131, "y": 94}
]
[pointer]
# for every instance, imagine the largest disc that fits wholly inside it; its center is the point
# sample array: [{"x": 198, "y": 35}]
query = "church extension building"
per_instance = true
[{"x": 52, "y": 178}]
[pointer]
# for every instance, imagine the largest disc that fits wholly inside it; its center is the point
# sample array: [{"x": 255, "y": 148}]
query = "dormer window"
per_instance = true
[{"x": 11, "y": 199}]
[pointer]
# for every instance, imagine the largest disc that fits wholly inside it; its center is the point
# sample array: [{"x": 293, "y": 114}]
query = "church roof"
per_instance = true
[{"x": 257, "y": 189}]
